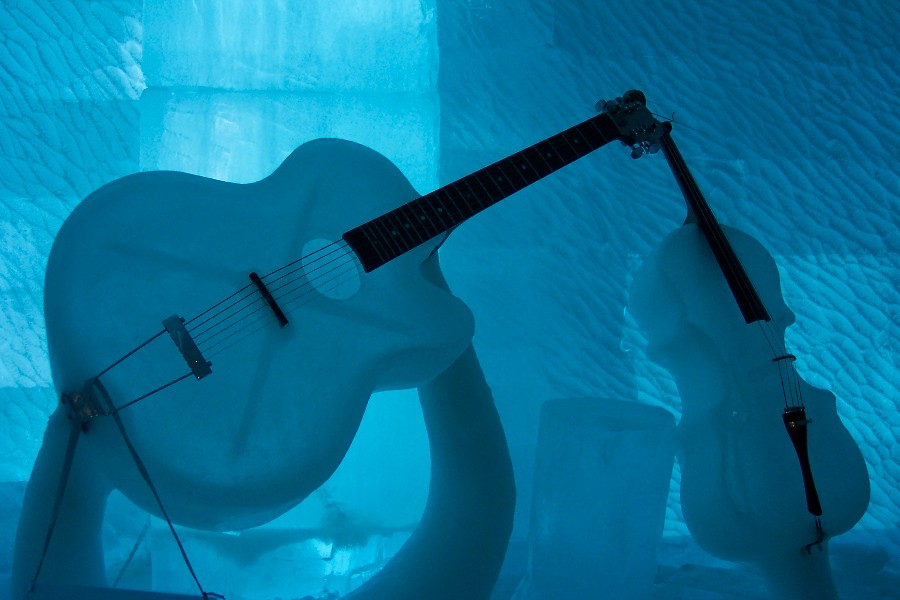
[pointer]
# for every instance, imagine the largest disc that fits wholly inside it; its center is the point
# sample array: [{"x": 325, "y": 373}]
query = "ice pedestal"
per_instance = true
[{"x": 601, "y": 480}]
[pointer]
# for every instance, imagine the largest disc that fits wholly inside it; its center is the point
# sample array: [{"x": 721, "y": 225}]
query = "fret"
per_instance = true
[
  {"x": 387, "y": 242},
  {"x": 535, "y": 159},
  {"x": 404, "y": 228},
  {"x": 441, "y": 208},
  {"x": 412, "y": 224},
  {"x": 424, "y": 219},
  {"x": 453, "y": 205},
  {"x": 519, "y": 166},
  {"x": 563, "y": 150},
  {"x": 492, "y": 189},
  {"x": 378, "y": 243},
  {"x": 471, "y": 196},
  {"x": 389, "y": 232},
  {"x": 497, "y": 174},
  {"x": 437, "y": 206}
]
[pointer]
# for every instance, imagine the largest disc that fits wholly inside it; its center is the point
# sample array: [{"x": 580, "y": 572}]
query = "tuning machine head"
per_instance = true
[{"x": 638, "y": 128}]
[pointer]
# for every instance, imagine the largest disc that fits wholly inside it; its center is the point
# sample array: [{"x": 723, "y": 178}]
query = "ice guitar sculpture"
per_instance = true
[
  {"x": 286, "y": 361},
  {"x": 710, "y": 301}
]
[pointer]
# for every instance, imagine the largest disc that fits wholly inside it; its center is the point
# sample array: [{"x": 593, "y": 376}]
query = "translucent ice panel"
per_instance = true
[
  {"x": 243, "y": 136},
  {"x": 313, "y": 45}
]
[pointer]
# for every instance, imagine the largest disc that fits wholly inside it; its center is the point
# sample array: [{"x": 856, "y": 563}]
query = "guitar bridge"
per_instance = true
[
  {"x": 269, "y": 299},
  {"x": 199, "y": 366}
]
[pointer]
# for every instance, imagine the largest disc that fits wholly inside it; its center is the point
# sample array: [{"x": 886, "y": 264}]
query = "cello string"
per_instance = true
[
  {"x": 702, "y": 210},
  {"x": 793, "y": 377},
  {"x": 787, "y": 374}
]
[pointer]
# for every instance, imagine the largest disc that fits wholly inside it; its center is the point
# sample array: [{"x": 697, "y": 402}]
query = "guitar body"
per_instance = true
[
  {"x": 282, "y": 404},
  {"x": 741, "y": 491}
]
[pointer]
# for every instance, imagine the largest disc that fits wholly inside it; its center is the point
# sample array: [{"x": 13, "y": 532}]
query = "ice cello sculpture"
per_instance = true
[
  {"x": 743, "y": 496},
  {"x": 602, "y": 476}
]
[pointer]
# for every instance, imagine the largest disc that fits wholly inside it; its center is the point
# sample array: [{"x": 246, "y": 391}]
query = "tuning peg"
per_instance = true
[
  {"x": 637, "y": 151},
  {"x": 605, "y": 106}
]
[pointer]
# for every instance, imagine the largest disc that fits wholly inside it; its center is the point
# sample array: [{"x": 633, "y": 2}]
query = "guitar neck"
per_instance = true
[{"x": 386, "y": 237}]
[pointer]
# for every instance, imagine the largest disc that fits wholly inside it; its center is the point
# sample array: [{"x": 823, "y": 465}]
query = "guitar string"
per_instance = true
[
  {"x": 335, "y": 247},
  {"x": 352, "y": 271},
  {"x": 256, "y": 303},
  {"x": 266, "y": 320},
  {"x": 787, "y": 374},
  {"x": 348, "y": 266},
  {"x": 249, "y": 286},
  {"x": 252, "y": 288},
  {"x": 340, "y": 245},
  {"x": 343, "y": 246}
]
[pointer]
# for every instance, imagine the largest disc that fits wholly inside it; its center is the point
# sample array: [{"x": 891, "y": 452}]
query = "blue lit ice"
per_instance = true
[{"x": 784, "y": 114}]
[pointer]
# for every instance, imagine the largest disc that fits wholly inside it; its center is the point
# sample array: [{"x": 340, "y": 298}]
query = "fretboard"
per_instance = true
[
  {"x": 386, "y": 237},
  {"x": 742, "y": 288}
]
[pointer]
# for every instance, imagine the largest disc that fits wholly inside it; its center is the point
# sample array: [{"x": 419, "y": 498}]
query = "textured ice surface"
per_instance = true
[
  {"x": 602, "y": 473},
  {"x": 786, "y": 122},
  {"x": 234, "y": 87}
]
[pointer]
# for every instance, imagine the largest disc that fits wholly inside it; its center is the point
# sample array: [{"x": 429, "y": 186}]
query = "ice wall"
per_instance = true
[{"x": 68, "y": 123}]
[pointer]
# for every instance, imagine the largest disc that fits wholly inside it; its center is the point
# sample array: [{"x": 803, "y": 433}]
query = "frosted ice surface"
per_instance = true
[
  {"x": 235, "y": 87},
  {"x": 243, "y": 135},
  {"x": 322, "y": 45},
  {"x": 601, "y": 479},
  {"x": 70, "y": 74}
]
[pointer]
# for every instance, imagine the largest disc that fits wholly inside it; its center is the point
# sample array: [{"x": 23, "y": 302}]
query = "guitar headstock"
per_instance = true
[{"x": 638, "y": 128}]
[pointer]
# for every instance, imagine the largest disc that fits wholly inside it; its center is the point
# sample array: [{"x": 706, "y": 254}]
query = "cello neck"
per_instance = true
[{"x": 699, "y": 212}]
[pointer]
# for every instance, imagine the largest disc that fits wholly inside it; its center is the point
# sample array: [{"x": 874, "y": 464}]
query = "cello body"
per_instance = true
[{"x": 741, "y": 491}]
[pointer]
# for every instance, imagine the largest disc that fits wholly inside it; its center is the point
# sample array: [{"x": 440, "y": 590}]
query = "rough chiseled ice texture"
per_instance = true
[
  {"x": 68, "y": 123},
  {"x": 602, "y": 473},
  {"x": 784, "y": 117}
]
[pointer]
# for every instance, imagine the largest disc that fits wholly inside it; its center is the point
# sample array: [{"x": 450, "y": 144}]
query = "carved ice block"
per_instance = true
[{"x": 602, "y": 475}]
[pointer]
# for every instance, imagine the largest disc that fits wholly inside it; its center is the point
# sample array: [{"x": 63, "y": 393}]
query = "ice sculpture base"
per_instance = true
[
  {"x": 800, "y": 576},
  {"x": 601, "y": 480}
]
